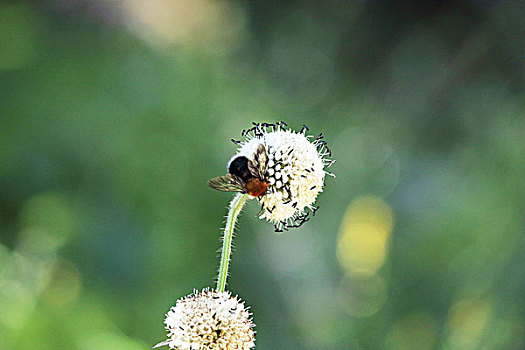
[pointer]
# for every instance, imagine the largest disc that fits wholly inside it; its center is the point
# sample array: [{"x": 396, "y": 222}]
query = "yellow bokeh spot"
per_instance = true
[
  {"x": 61, "y": 283},
  {"x": 363, "y": 236},
  {"x": 204, "y": 24},
  {"x": 467, "y": 321}
]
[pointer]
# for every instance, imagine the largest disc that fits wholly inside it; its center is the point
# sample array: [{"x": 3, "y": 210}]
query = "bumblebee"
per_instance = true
[{"x": 244, "y": 175}]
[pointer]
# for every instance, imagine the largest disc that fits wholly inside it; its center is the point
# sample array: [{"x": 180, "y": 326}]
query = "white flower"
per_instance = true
[
  {"x": 209, "y": 320},
  {"x": 295, "y": 171}
]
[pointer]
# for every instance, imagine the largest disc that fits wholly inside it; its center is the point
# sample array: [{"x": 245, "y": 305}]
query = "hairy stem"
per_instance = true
[{"x": 236, "y": 206}]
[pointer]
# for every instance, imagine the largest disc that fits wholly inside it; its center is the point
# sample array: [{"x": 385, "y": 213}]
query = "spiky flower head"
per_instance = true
[
  {"x": 209, "y": 320},
  {"x": 294, "y": 171}
]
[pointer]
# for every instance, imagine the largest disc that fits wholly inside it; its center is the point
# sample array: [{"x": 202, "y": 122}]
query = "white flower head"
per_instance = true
[
  {"x": 209, "y": 320},
  {"x": 289, "y": 168}
]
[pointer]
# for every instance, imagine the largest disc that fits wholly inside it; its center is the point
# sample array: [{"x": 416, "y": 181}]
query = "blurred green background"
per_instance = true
[{"x": 114, "y": 114}]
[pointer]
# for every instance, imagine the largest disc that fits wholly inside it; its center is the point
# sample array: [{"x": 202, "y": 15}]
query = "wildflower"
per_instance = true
[
  {"x": 209, "y": 320},
  {"x": 283, "y": 169}
]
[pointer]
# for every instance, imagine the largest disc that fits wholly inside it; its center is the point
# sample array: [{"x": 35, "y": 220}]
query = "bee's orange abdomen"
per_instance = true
[{"x": 256, "y": 187}]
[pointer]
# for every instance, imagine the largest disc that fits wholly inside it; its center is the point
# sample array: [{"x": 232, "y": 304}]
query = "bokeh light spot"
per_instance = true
[
  {"x": 47, "y": 222},
  {"x": 362, "y": 297},
  {"x": 467, "y": 321},
  {"x": 210, "y": 26},
  {"x": 16, "y": 305},
  {"x": 363, "y": 236},
  {"x": 61, "y": 283}
]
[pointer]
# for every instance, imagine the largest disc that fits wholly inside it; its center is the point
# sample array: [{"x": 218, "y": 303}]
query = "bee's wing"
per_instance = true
[
  {"x": 258, "y": 168},
  {"x": 225, "y": 183}
]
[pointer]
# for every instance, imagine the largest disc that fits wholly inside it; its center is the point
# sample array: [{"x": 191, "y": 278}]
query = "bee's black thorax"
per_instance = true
[{"x": 239, "y": 167}]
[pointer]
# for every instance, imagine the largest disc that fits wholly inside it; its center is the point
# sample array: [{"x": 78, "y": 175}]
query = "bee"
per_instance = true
[{"x": 244, "y": 175}]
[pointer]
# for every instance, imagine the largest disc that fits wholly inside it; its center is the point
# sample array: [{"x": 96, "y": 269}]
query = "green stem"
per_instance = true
[{"x": 236, "y": 206}]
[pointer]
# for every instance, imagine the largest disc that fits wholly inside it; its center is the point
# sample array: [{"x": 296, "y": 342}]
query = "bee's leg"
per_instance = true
[{"x": 261, "y": 211}]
